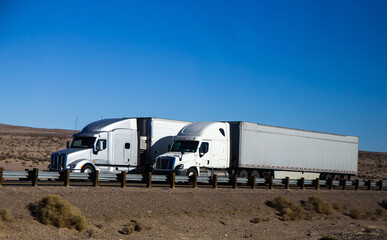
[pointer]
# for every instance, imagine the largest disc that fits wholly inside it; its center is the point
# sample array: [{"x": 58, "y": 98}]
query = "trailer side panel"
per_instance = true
[{"x": 279, "y": 148}]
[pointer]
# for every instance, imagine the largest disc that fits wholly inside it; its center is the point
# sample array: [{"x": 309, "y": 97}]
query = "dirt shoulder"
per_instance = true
[{"x": 186, "y": 213}]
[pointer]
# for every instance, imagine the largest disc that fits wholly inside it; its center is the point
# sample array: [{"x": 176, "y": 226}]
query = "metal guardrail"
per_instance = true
[{"x": 66, "y": 176}]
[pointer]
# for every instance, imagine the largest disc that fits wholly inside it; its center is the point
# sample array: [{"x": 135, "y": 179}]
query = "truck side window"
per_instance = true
[
  {"x": 221, "y": 130},
  {"x": 203, "y": 148},
  {"x": 103, "y": 141}
]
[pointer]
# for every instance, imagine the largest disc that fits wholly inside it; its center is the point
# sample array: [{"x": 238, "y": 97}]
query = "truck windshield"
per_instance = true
[
  {"x": 83, "y": 142},
  {"x": 184, "y": 146}
]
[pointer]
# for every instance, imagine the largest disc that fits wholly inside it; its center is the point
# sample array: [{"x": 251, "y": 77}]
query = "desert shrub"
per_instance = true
[
  {"x": 337, "y": 206},
  {"x": 358, "y": 213},
  {"x": 5, "y": 214},
  {"x": 318, "y": 204},
  {"x": 381, "y": 212},
  {"x": 256, "y": 220},
  {"x": 383, "y": 203},
  {"x": 132, "y": 226},
  {"x": 281, "y": 202},
  {"x": 53, "y": 210},
  {"x": 288, "y": 210},
  {"x": 291, "y": 214},
  {"x": 128, "y": 229}
]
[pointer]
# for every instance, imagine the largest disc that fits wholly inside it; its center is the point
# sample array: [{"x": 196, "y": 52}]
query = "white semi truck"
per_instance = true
[
  {"x": 114, "y": 145},
  {"x": 250, "y": 149}
]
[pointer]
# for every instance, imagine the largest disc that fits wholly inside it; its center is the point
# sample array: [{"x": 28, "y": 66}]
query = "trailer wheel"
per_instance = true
[
  {"x": 254, "y": 173},
  {"x": 87, "y": 169},
  {"x": 243, "y": 173},
  {"x": 191, "y": 172}
]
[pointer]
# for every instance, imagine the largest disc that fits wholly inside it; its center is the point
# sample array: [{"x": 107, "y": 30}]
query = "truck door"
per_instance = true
[
  {"x": 101, "y": 149},
  {"x": 130, "y": 148},
  {"x": 205, "y": 154}
]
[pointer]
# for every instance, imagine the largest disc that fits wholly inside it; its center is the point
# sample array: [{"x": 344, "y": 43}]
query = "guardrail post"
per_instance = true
[
  {"x": 381, "y": 185},
  {"x": 123, "y": 179},
  {"x": 317, "y": 183},
  {"x": 369, "y": 185},
  {"x": 270, "y": 182},
  {"x": 357, "y": 184},
  {"x": 301, "y": 183},
  {"x": 172, "y": 181},
  {"x": 34, "y": 177},
  {"x": 234, "y": 181},
  {"x": 344, "y": 183},
  {"x": 252, "y": 182},
  {"x": 148, "y": 180},
  {"x": 287, "y": 185},
  {"x": 215, "y": 181},
  {"x": 94, "y": 178},
  {"x": 1, "y": 176},
  {"x": 194, "y": 181},
  {"x": 330, "y": 183},
  {"x": 65, "y": 175}
]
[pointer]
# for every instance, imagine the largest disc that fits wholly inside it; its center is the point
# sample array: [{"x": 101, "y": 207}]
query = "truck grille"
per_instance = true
[
  {"x": 58, "y": 161},
  {"x": 165, "y": 163}
]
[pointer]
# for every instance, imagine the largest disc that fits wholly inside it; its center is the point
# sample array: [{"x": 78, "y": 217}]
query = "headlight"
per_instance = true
[
  {"x": 72, "y": 165},
  {"x": 180, "y": 166}
]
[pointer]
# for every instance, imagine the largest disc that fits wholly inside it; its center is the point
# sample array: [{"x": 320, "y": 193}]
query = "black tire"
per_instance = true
[
  {"x": 337, "y": 177},
  {"x": 191, "y": 172},
  {"x": 254, "y": 173},
  {"x": 243, "y": 173},
  {"x": 88, "y": 169},
  {"x": 265, "y": 174}
]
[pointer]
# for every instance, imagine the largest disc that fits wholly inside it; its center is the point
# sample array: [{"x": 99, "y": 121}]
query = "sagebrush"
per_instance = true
[
  {"x": 134, "y": 225},
  {"x": 319, "y": 205},
  {"x": 5, "y": 214},
  {"x": 288, "y": 210},
  {"x": 358, "y": 213},
  {"x": 53, "y": 210}
]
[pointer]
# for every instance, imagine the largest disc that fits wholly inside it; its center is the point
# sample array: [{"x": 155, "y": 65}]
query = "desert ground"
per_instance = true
[{"x": 181, "y": 213}]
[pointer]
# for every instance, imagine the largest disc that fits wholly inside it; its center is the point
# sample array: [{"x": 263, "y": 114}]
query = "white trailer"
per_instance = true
[
  {"x": 250, "y": 149},
  {"x": 114, "y": 145}
]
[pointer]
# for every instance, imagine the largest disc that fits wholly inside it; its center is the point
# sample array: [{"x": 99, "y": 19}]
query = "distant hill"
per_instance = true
[{"x": 30, "y": 131}]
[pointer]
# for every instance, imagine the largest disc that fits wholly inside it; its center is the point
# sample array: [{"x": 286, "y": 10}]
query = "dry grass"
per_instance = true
[
  {"x": 5, "y": 214},
  {"x": 133, "y": 226},
  {"x": 288, "y": 210},
  {"x": 294, "y": 213},
  {"x": 53, "y": 210},
  {"x": 337, "y": 206},
  {"x": 358, "y": 213},
  {"x": 281, "y": 202},
  {"x": 319, "y": 205}
]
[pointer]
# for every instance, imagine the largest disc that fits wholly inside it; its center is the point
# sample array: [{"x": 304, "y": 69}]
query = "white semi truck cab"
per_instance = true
[
  {"x": 251, "y": 149},
  {"x": 197, "y": 148},
  {"x": 114, "y": 145}
]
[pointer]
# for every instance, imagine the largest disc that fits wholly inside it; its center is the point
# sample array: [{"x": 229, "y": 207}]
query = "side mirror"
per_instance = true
[
  {"x": 99, "y": 146},
  {"x": 203, "y": 150},
  {"x": 68, "y": 144}
]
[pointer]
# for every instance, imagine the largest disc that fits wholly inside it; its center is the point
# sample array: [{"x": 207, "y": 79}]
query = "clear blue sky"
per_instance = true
[{"x": 315, "y": 65}]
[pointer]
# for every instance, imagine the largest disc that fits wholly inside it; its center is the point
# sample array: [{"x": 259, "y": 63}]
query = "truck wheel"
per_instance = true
[
  {"x": 254, "y": 173},
  {"x": 243, "y": 173},
  {"x": 191, "y": 172},
  {"x": 87, "y": 169}
]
